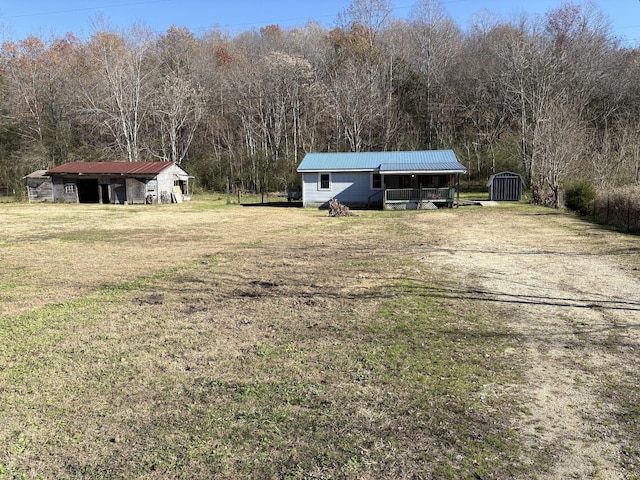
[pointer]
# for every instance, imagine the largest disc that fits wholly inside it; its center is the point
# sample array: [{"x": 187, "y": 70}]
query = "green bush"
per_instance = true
[{"x": 579, "y": 196}]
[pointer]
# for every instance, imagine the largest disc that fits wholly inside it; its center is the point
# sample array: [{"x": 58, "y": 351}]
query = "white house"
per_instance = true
[{"x": 395, "y": 180}]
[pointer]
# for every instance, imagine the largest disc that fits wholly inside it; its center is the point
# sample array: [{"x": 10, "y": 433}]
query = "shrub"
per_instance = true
[{"x": 579, "y": 196}]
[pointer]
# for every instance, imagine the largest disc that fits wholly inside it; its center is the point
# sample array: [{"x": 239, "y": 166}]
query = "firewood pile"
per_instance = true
[{"x": 336, "y": 209}]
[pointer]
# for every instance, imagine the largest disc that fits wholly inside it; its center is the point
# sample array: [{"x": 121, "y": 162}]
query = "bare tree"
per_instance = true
[
  {"x": 561, "y": 140},
  {"x": 37, "y": 81},
  {"x": 115, "y": 94},
  {"x": 178, "y": 107},
  {"x": 371, "y": 16},
  {"x": 178, "y": 100},
  {"x": 434, "y": 43}
]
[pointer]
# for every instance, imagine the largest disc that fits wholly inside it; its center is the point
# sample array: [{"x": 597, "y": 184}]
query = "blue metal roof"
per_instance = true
[{"x": 385, "y": 162}]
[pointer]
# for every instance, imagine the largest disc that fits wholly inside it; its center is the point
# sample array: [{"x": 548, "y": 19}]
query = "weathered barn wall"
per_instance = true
[
  {"x": 40, "y": 189},
  {"x": 136, "y": 191}
]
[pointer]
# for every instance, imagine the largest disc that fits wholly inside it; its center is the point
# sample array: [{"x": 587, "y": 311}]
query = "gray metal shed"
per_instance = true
[{"x": 505, "y": 186}]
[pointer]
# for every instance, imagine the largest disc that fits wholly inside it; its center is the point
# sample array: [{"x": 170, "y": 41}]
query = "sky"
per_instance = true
[{"x": 48, "y": 18}]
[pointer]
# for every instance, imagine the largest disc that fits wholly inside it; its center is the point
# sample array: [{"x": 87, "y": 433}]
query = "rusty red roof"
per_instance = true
[{"x": 105, "y": 168}]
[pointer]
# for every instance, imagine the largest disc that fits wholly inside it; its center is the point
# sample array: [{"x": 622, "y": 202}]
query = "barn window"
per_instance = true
[
  {"x": 376, "y": 181},
  {"x": 69, "y": 188},
  {"x": 325, "y": 181}
]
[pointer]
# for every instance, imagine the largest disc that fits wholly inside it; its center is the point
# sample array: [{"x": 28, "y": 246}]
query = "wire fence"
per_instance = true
[
  {"x": 620, "y": 208},
  {"x": 6, "y": 191}
]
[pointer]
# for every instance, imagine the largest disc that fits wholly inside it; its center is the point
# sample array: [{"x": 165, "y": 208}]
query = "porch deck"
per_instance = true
[{"x": 417, "y": 198}]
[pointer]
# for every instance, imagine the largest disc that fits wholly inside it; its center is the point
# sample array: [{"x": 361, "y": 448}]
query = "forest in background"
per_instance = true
[{"x": 555, "y": 98}]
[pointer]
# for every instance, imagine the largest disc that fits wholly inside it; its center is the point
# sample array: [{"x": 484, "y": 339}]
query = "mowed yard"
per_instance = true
[{"x": 206, "y": 340}]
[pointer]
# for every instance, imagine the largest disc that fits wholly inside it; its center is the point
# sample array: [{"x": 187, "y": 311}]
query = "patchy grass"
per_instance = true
[{"x": 207, "y": 340}]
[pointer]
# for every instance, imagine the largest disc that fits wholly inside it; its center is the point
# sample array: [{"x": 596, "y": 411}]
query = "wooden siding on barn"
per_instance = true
[
  {"x": 40, "y": 189},
  {"x": 136, "y": 191},
  {"x": 63, "y": 193}
]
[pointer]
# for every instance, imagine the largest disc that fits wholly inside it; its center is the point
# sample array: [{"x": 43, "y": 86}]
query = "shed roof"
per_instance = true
[
  {"x": 37, "y": 174},
  {"x": 384, "y": 162},
  {"x": 106, "y": 168},
  {"x": 503, "y": 175}
]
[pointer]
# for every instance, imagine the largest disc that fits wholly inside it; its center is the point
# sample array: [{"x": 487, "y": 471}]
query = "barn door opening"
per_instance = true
[{"x": 88, "y": 191}]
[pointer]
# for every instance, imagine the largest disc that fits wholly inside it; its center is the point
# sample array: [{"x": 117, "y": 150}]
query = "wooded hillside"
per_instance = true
[{"x": 553, "y": 97}]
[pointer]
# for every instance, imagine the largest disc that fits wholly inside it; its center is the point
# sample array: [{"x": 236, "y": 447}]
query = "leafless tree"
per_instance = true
[{"x": 115, "y": 94}]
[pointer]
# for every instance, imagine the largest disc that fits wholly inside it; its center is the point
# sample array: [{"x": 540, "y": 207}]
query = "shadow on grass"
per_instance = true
[{"x": 274, "y": 204}]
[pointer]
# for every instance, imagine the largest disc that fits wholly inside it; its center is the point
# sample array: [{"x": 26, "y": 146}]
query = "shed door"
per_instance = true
[{"x": 508, "y": 189}]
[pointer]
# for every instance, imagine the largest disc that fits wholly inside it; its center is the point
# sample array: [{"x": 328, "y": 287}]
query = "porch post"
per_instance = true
[
  {"x": 384, "y": 192},
  {"x": 457, "y": 190}
]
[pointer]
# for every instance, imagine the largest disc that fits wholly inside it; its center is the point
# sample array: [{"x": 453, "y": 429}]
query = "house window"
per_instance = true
[
  {"x": 376, "y": 181},
  {"x": 69, "y": 188},
  {"x": 325, "y": 181}
]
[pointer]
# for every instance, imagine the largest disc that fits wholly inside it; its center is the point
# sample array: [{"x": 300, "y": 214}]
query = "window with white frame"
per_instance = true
[
  {"x": 69, "y": 188},
  {"x": 324, "y": 181},
  {"x": 376, "y": 181}
]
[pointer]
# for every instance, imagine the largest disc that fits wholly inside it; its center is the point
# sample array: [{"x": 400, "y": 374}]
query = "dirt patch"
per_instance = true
[{"x": 574, "y": 302}]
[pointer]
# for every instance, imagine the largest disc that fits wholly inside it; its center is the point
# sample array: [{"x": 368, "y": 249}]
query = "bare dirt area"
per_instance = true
[{"x": 570, "y": 292}]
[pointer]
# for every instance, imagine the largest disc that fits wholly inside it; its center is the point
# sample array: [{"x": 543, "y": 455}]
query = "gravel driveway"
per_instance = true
[{"x": 571, "y": 294}]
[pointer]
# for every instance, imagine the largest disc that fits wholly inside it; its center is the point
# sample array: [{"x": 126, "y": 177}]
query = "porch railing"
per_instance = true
[{"x": 420, "y": 194}]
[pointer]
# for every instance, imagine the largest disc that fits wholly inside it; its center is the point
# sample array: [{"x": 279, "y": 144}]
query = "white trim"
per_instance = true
[
  {"x": 320, "y": 174},
  {"x": 371, "y": 181}
]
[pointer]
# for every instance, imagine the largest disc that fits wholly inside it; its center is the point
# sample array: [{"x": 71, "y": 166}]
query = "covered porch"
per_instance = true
[{"x": 419, "y": 191}]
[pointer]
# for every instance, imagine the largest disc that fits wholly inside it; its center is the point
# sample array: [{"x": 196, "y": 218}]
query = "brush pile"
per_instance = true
[{"x": 336, "y": 209}]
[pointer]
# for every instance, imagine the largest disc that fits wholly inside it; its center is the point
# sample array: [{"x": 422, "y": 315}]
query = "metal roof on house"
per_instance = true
[
  {"x": 452, "y": 166},
  {"x": 111, "y": 168},
  {"x": 385, "y": 162}
]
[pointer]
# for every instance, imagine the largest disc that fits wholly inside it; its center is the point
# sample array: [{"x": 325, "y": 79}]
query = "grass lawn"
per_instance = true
[{"x": 206, "y": 340}]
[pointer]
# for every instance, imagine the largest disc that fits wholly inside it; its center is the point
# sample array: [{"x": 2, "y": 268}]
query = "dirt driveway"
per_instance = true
[{"x": 572, "y": 294}]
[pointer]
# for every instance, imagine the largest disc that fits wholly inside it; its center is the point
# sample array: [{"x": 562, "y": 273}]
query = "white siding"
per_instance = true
[
  {"x": 165, "y": 182},
  {"x": 349, "y": 188}
]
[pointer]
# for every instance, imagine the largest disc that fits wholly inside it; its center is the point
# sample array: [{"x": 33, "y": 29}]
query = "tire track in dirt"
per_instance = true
[{"x": 577, "y": 312}]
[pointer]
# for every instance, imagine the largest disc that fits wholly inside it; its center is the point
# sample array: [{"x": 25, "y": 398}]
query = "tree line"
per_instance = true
[{"x": 553, "y": 97}]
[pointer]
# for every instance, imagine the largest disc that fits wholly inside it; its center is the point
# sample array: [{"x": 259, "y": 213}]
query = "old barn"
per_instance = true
[{"x": 110, "y": 182}]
